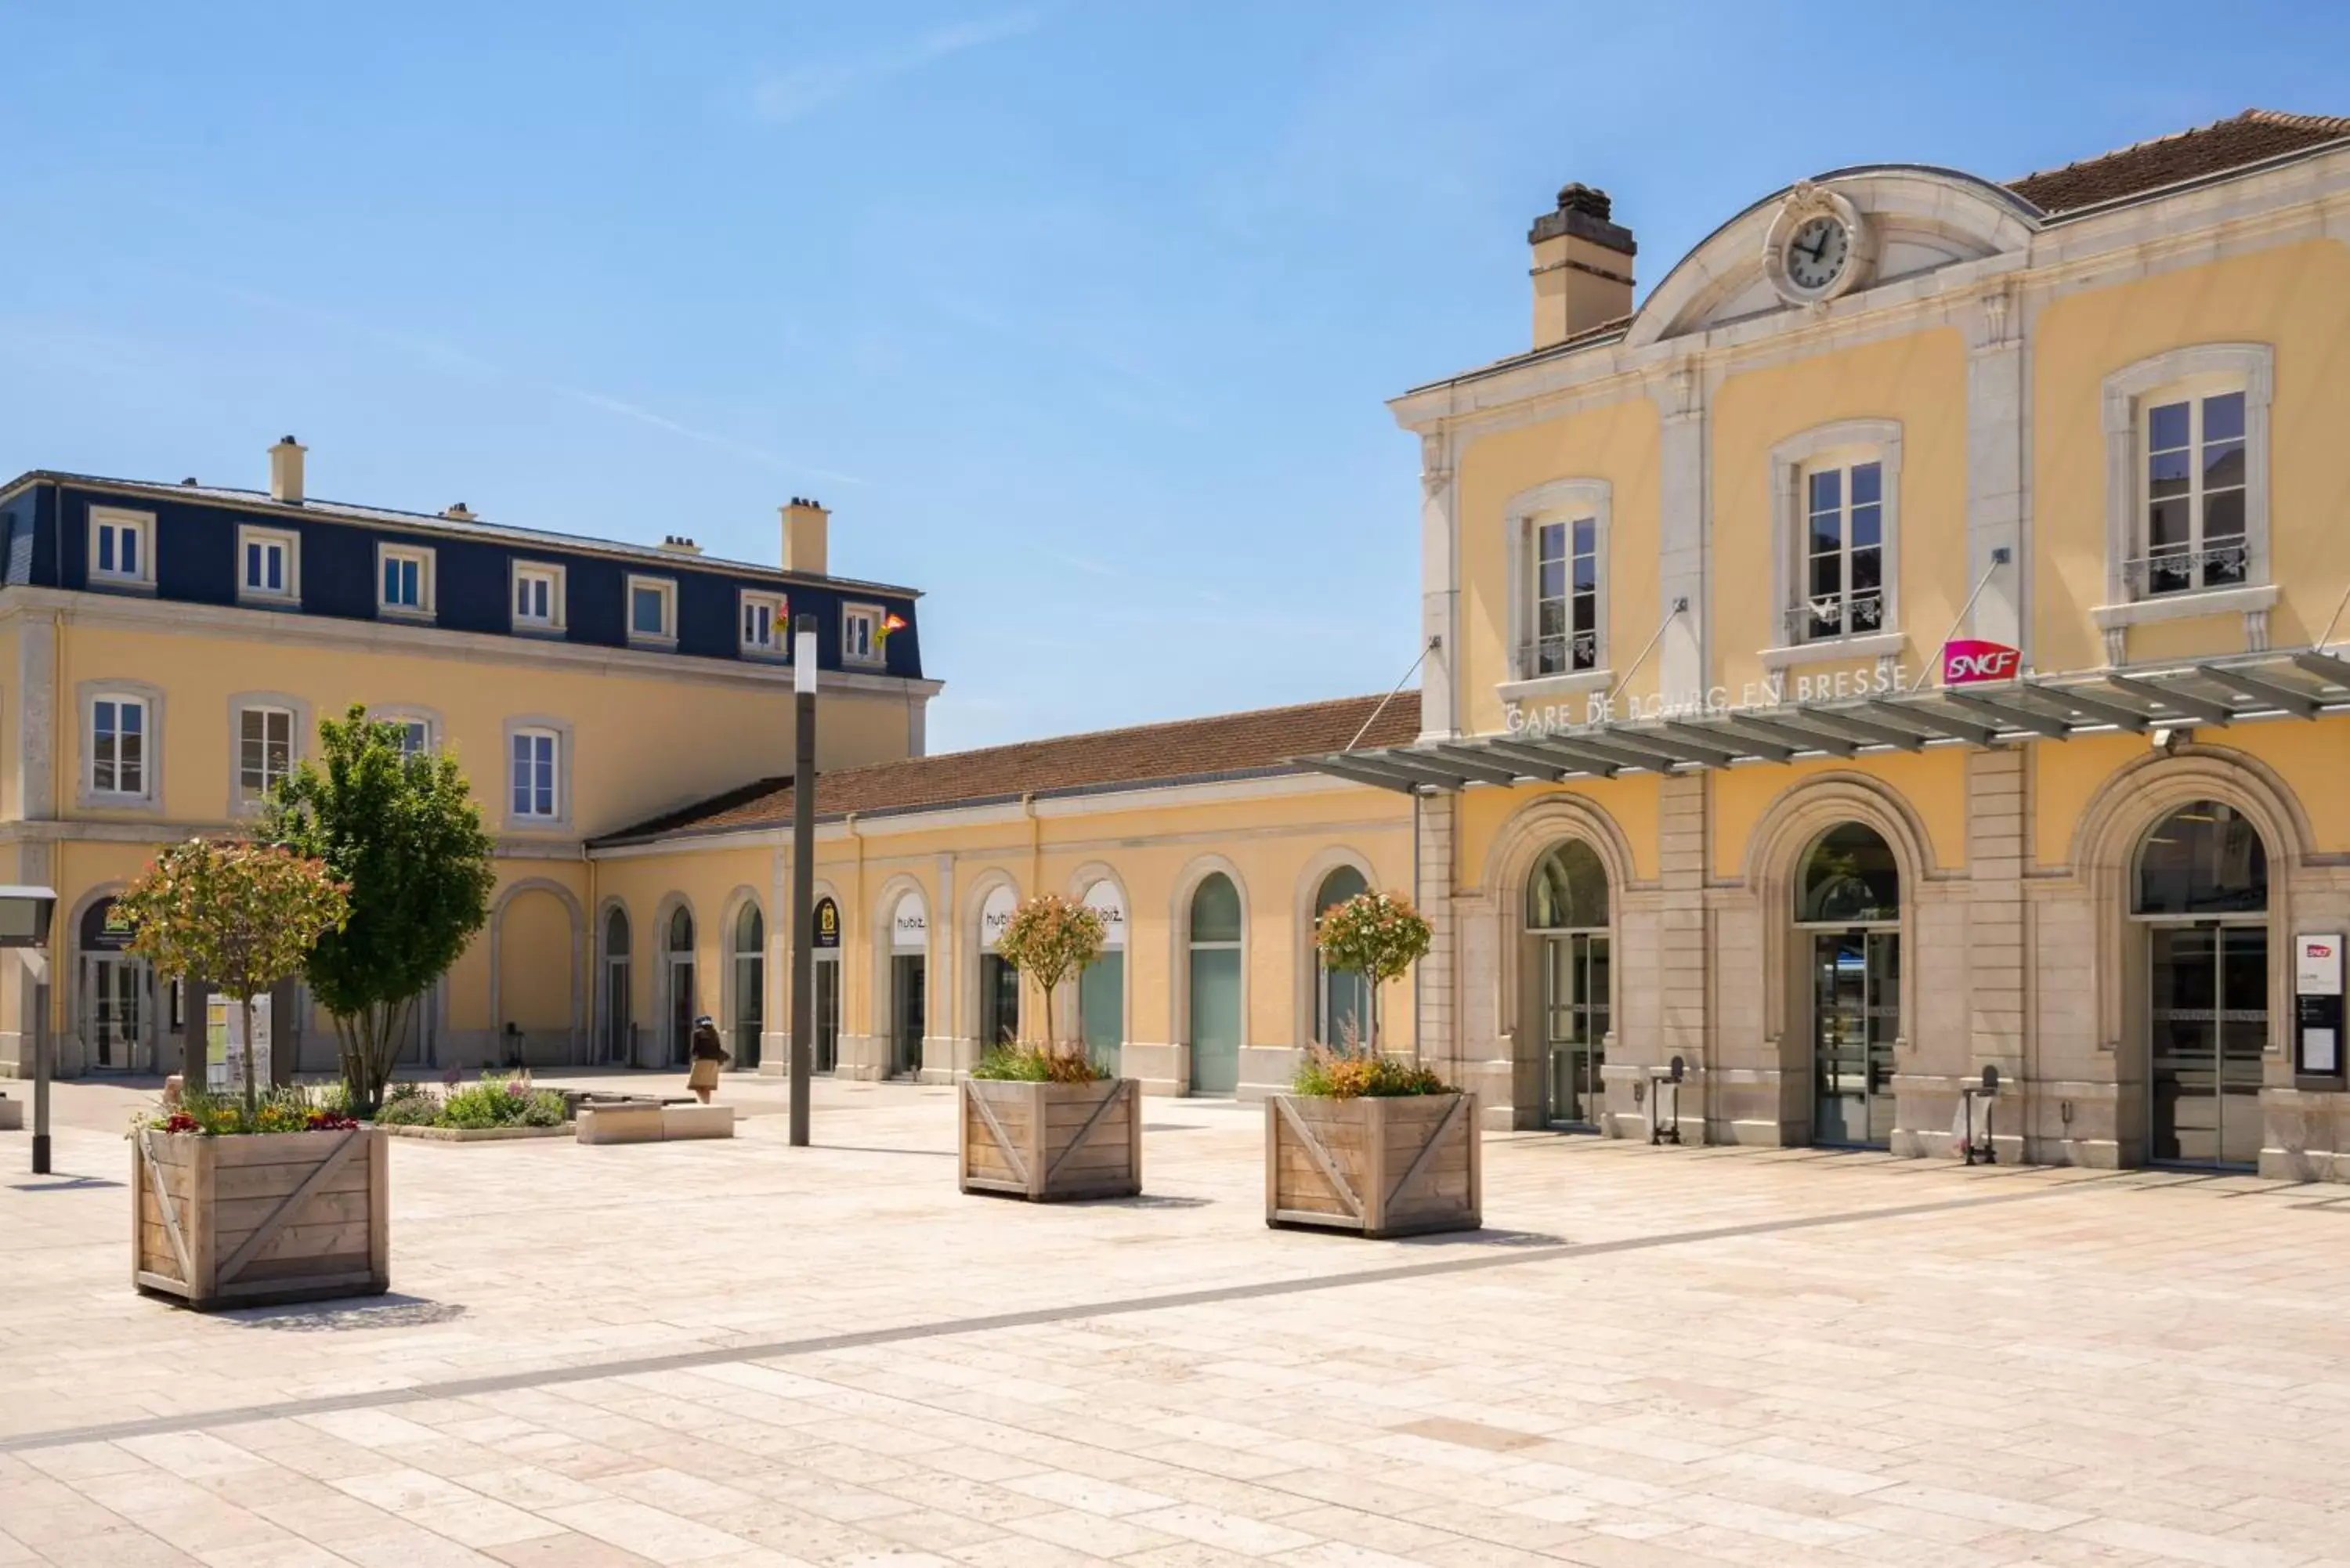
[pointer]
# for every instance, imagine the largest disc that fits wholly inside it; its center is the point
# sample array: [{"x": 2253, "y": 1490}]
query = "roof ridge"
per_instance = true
[{"x": 2339, "y": 124}]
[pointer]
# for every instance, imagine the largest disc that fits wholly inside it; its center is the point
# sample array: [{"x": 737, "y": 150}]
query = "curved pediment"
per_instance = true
[{"x": 1920, "y": 220}]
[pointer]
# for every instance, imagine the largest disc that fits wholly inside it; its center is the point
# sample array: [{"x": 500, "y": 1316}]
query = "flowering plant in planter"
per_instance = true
[
  {"x": 1048, "y": 939},
  {"x": 1379, "y": 935}
]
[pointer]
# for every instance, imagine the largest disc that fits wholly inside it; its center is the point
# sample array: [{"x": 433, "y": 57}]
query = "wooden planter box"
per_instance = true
[
  {"x": 250, "y": 1220},
  {"x": 1048, "y": 1141},
  {"x": 1394, "y": 1167}
]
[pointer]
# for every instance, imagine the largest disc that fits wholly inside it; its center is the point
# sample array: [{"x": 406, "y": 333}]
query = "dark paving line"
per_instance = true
[{"x": 505, "y": 1383}]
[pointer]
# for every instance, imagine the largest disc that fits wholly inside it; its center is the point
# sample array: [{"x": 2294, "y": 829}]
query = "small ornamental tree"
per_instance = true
[
  {"x": 238, "y": 916},
  {"x": 1375, "y": 934},
  {"x": 403, "y": 832},
  {"x": 1049, "y": 938}
]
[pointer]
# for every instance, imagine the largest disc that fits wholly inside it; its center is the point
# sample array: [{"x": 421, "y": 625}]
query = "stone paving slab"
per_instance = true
[{"x": 736, "y": 1354}]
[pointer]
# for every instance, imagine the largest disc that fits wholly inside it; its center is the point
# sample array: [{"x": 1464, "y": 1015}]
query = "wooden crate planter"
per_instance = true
[
  {"x": 272, "y": 1217},
  {"x": 1379, "y": 1167},
  {"x": 1049, "y": 1141}
]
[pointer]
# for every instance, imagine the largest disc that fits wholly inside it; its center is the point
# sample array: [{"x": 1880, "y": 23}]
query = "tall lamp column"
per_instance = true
[{"x": 803, "y": 872}]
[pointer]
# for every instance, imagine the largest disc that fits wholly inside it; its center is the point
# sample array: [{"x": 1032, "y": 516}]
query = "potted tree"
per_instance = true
[
  {"x": 401, "y": 829},
  {"x": 241, "y": 1199},
  {"x": 1038, "y": 1121},
  {"x": 1365, "y": 1142}
]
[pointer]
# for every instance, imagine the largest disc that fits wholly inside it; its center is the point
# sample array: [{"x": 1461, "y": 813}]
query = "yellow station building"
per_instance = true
[{"x": 1905, "y": 646}]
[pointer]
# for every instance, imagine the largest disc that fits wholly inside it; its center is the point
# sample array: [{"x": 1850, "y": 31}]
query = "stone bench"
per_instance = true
[{"x": 642, "y": 1123}]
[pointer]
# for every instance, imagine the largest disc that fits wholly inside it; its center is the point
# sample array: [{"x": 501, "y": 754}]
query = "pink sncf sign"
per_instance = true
[{"x": 1967, "y": 659}]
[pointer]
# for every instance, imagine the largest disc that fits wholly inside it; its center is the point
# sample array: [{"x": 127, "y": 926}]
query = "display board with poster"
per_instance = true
[
  {"x": 224, "y": 1044},
  {"x": 2317, "y": 1005}
]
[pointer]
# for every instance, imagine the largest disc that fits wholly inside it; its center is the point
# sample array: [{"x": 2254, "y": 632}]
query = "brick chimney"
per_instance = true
[
  {"x": 805, "y": 526},
  {"x": 1582, "y": 267},
  {"x": 285, "y": 472}
]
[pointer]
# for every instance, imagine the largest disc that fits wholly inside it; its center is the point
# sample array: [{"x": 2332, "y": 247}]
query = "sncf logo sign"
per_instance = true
[{"x": 1967, "y": 659}]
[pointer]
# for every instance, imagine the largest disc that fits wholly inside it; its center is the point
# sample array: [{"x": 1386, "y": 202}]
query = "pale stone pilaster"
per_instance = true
[
  {"x": 1996, "y": 481},
  {"x": 1684, "y": 543},
  {"x": 37, "y": 717},
  {"x": 1439, "y": 578},
  {"x": 1684, "y": 962}
]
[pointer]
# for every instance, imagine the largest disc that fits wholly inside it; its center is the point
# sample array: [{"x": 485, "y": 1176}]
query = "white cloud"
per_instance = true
[{"x": 803, "y": 89}]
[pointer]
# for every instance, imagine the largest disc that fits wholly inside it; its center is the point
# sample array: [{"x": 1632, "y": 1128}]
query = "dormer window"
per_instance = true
[
  {"x": 405, "y": 581},
  {"x": 538, "y": 597},
  {"x": 653, "y": 610},
  {"x": 861, "y": 634},
  {"x": 766, "y": 623},
  {"x": 121, "y": 547},
  {"x": 269, "y": 566}
]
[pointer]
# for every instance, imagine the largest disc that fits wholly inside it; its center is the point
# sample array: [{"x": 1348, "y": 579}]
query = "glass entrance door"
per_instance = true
[
  {"x": 1574, "y": 1011},
  {"x": 1855, "y": 1017},
  {"x": 906, "y": 1013},
  {"x": 827, "y": 1016},
  {"x": 116, "y": 987},
  {"x": 2209, "y": 1022}
]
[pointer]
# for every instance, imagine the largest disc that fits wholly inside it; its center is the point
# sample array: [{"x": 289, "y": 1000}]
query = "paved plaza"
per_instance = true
[{"x": 738, "y": 1354}]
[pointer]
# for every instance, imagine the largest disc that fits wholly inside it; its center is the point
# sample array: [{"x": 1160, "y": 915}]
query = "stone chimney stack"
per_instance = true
[
  {"x": 805, "y": 524},
  {"x": 285, "y": 472},
  {"x": 1582, "y": 267}
]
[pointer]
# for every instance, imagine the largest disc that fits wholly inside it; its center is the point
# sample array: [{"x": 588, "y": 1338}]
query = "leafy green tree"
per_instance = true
[
  {"x": 240, "y": 917},
  {"x": 1048, "y": 939},
  {"x": 1374, "y": 933},
  {"x": 403, "y": 831}
]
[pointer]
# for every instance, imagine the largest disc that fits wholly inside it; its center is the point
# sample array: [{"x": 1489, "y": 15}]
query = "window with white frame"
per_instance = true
[
  {"x": 861, "y": 634},
  {"x": 2194, "y": 447},
  {"x": 1564, "y": 580},
  {"x": 767, "y": 624},
  {"x": 536, "y": 759},
  {"x": 415, "y": 737},
  {"x": 538, "y": 598},
  {"x": 119, "y": 731},
  {"x": 121, "y": 547},
  {"x": 268, "y": 564},
  {"x": 1843, "y": 566},
  {"x": 2187, "y": 485},
  {"x": 652, "y": 609},
  {"x": 405, "y": 582},
  {"x": 264, "y": 750}
]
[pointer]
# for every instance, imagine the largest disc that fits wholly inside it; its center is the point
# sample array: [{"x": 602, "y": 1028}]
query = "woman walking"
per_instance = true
[{"x": 709, "y": 1057}]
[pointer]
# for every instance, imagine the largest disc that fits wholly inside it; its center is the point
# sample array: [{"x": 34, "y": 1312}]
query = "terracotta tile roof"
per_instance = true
[
  {"x": 1221, "y": 746},
  {"x": 2246, "y": 137}
]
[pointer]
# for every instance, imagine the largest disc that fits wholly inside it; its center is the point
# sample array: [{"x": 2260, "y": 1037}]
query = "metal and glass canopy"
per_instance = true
[{"x": 2203, "y": 694}]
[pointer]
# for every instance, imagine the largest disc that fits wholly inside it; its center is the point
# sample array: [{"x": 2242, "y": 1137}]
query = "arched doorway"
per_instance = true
[
  {"x": 1568, "y": 915},
  {"x": 614, "y": 1041},
  {"x": 750, "y": 980},
  {"x": 999, "y": 983},
  {"x": 909, "y": 948},
  {"x": 2200, "y": 894},
  {"x": 116, "y": 992},
  {"x": 1848, "y": 906},
  {"x": 1215, "y": 986},
  {"x": 1342, "y": 998},
  {"x": 679, "y": 961},
  {"x": 827, "y": 1055},
  {"x": 1101, "y": 989}
]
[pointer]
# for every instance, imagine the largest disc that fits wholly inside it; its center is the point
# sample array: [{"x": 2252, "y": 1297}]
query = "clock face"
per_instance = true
[{"x": 1818, "y": 253}]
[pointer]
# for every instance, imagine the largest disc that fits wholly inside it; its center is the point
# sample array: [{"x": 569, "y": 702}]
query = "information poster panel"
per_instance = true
[{"x": 224, "y": 1044}]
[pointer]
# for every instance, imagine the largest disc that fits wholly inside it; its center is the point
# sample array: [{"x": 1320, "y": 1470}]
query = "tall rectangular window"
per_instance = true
[
  {"x": 2195, "y": 494},
  {"x": 860, "y": 641},
  {"x": 415, "y": 737},
  {"x": 264, "y": 749},
  {"x": 533, "y": 774},
  {"x": 1567, "y": 597},
  {"x": 118, "y": 746},
  {"x": 1843, "y": 552}
]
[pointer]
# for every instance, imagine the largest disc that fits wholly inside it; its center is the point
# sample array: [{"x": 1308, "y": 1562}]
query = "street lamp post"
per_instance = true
[
  {"x": 803, "y": 872},
  {"x": 25, "y": 924}
]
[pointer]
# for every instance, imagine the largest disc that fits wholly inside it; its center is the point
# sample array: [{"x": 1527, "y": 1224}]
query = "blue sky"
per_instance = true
[{"x": 1080, "y": 317}]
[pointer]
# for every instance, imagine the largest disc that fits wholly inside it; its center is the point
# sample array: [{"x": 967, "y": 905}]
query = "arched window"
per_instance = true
[
  {"x": 681, "y": 931},
  {"x": 2204, "y": 859},
  {"x": 750, "y": 983},
  {"x": 1101, "y": 989},
  {"x": 1569, "y": 891},
  {"x": 999, "y": 983},
  {"x": 1849, "y": 878},
  {"x": 1342, "y": 999},
  {"x": 1215, "y": 953},
  {"x": 615, "y": 1040}
]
